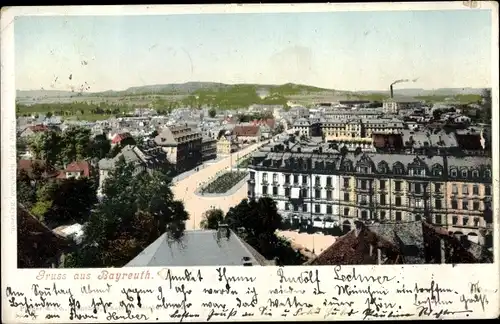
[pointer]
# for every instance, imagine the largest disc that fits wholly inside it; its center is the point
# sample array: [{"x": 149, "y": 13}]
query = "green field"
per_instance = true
[{"x": 165, "y": 98}]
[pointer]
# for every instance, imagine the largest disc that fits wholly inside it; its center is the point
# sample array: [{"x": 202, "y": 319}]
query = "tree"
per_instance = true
[
  {"x": 259, "y": 218},
  {"x": 71, "y": 202},
  {"x": 26, "y": 193},
  {"x": 46, "y": 146},
  {"x": 257, "y": 221},
  {"x": 212, "y": 112},
  {"x": 75, "y": 144},
  {"x": 136, "y": 209},
  {"x": 212, "y": 218},
  {"x": 127, "y": 141},
  {"x": 100, "y": 147},
  {"x": 486, "y": 105}
]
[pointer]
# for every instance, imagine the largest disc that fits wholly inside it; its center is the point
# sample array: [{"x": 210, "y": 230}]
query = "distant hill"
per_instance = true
[
  {"x": 215, "y": 89},
  {"x": 188, "y": 88}
]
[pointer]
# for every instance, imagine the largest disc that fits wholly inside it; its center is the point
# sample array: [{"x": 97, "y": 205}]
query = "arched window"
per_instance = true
[
  {"x": 487, "y": 173},
  {"x": 382, "y": 167},
  {"x": 464, "y": 173},
  {"x": 398, "y": 168},
  {"x": 475, "y": 174},
  {"x": 453, "y": 173}
]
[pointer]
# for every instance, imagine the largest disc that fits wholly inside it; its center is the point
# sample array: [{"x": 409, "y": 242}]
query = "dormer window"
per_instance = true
[
  {"x": 475, "y": 174},
  {"x": 487, "y": 174},
  {"x": 382, "y": 168},
  {"x": 453, "y": 173},
  {"x": 464, "y": 173}
]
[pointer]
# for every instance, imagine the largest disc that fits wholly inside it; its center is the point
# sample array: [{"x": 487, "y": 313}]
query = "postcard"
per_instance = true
[{"x": 250, "y": 162}]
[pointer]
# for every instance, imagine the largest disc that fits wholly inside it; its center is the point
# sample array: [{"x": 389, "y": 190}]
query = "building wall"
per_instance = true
[
  {"x": 327, "y": 200},
  {"x": 415, "y": 194},
  {"x": 223, "y": 146},
  {"x": 466, "y": 205},
  {"x": 302, "y": 130},
  {"x": 171, "y": 152}
]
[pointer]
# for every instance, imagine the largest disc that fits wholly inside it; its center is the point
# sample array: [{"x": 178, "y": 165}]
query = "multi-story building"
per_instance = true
[
  {"x": 302, "y": 184},
  {"x": 450, "y": 192},
  {"x": 143, "y": 161},
  {"x": 344, "y": 114},
  {"x": 469, "y": 195},
  {"x": 226, "y": 145},
  {"x": 182, "y": 145},
  {"x": 334, "y": 130},
  {"x": 208, "y": 148},
  {"x": 395, "y": 106},
  {"x": 302, "y": 127}
]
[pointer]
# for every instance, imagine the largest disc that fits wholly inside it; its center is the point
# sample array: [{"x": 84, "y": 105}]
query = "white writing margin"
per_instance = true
[{"x": 251, "y": 293}]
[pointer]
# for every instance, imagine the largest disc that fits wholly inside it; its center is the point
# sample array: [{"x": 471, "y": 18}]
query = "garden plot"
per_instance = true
[{"x": 224, "y": 182}]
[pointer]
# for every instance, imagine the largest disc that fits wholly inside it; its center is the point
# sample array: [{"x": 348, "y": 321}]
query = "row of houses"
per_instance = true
[
  {"x": 315, "y": 185},
  {"x": 406, "y": 243}
]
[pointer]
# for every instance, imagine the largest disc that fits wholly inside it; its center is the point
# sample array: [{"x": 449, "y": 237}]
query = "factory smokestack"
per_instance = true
[{"x": 400, "y": 81}]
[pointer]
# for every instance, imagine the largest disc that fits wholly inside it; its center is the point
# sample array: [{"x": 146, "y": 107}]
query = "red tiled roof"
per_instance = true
[
  {"x": 28, "y": 165},
  {"x": 38, "y": 128},
  {"x": 120, "y": 137},
  {"x": 77, "y": 166},
  {"x": 271, "y": 122},
  {"x": 246, "y": 130},
  {"x": 355, "y": 249}
]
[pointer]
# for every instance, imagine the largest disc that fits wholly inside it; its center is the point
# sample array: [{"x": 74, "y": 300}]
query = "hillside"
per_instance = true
[{"x": 178, "y": 89}]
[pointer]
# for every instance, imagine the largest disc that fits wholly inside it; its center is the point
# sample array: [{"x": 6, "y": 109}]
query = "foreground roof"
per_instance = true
[{"x": 197, "y": 248}]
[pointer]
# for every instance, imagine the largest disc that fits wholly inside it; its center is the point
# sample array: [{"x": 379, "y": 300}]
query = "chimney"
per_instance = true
[
  {"x": 442, "y": 250},
  {"x": 223, "y": 230},
  {"x": 379, "y": 256},
  {"x": 247, "y": 262},
  {"x": 359, "y": 227},
  {"x": 392, "y": 92}
]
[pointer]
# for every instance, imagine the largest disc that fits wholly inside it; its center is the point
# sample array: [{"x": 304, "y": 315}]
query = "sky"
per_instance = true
[{"x": 336, "y": 50}]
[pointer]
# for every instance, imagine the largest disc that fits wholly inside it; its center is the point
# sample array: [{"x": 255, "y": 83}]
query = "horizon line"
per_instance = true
[{"x": 250, "y": 83}]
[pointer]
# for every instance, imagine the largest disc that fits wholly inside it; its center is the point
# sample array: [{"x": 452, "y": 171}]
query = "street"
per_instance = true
[{"x": 195, "y": 205}]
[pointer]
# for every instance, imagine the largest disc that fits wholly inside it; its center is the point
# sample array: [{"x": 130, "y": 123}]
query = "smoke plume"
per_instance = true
[{"x": 403, "y": 80}]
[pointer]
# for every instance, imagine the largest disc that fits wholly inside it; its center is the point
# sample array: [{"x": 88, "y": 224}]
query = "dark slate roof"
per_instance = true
[
  {"x": 196, "y": 248},
  {"x": 403, "y": 235}
]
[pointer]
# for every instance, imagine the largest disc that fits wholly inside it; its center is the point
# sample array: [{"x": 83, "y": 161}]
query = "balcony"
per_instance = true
[
  {"x": 264, "y": 182},
  {"x": 251, "y": 180},
  {"x": 418, "y": 194}
]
